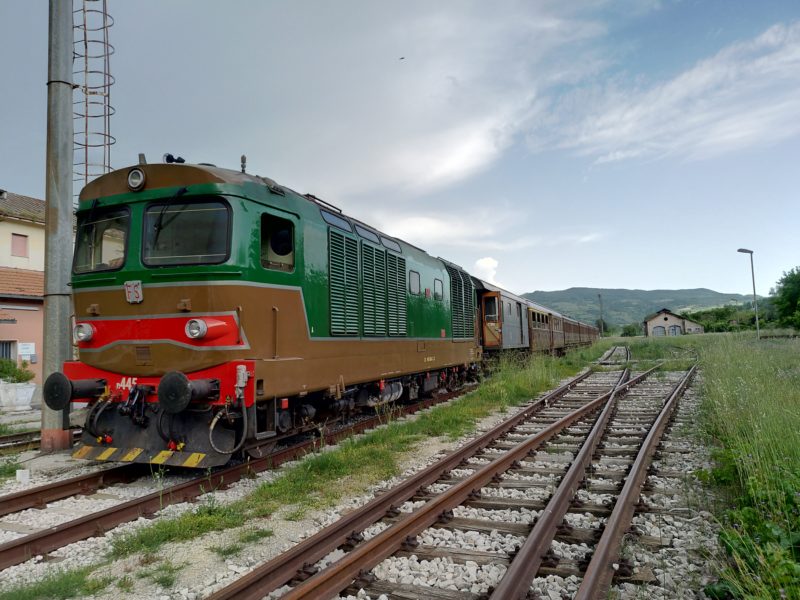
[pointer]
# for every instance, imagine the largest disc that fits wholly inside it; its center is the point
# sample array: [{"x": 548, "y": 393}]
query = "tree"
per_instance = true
[
  {"x": 602, "y": 325},
  {"x": 631, "y": 330},
  {"x": 787, "y": 298}
]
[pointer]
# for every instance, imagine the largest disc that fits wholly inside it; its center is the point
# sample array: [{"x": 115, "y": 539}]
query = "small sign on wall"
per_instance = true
[{"x": 26, "y": 349}]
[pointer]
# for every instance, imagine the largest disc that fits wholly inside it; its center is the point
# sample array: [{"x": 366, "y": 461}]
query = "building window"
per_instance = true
[
  {"x": 19, "y": 245},
  {"x": 7, "y": 350}
]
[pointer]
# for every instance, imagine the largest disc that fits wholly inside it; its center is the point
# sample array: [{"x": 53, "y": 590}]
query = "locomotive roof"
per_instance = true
[{"x": 170, "y": 175}]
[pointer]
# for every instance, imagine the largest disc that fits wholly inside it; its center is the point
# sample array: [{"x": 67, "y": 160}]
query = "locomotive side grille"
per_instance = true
[
  {"x": 373, "y": 289},
  {"x": 396, "y": 293},
  {"x": 461, "y": 303},
  {"x": 343, "y": 284}
]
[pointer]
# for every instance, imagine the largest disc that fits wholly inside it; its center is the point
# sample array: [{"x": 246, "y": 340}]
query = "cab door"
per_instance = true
[{"x": 492, "y": 325}]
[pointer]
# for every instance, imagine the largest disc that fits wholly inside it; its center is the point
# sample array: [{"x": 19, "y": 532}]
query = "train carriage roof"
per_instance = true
[{"x": 485, "y": 285}]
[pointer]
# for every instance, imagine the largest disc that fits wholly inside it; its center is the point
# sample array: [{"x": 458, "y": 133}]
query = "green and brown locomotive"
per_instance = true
[{"x": 216, "y": 310}]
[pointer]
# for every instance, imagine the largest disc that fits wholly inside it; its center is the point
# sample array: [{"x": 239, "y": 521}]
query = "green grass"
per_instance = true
[
  {"x": 59, "y": 586},
  {"x": 125, "y": 583},
  {"x": 8, "y": 467},
  {"x": 752, "y": 410},
  {"x": 248, "y": 537},
  {"x": 227, "y": 551},
  {"x": 163, "y": 573},
  {"x": 201, "y": 520}
]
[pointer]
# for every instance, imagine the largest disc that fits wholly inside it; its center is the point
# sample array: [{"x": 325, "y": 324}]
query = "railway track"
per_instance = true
[
  {"x": 544, "y": 493},
  {"x": 41, "y": 542},
  {"x": 616, "y": 355},
  {"x": 26, "y": 440}
]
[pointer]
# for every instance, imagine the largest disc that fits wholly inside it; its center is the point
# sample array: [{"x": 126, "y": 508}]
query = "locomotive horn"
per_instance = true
[
  {"x": 176, "y": 391},
  {"x": 59, "y": 390}
]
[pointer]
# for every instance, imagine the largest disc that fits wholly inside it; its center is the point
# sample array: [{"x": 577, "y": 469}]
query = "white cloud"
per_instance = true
[
  {"x": 500, "y": 228},
  {"x": 746, "y": 95},
  {"x": 486, "y": 268}
]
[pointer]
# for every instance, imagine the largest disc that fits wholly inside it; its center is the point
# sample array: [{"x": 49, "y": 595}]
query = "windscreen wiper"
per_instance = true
[{"x": 160, "y": 221}]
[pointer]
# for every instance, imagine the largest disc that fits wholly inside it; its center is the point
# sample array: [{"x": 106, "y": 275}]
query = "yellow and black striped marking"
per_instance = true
[{"x": 139, "y": 455}]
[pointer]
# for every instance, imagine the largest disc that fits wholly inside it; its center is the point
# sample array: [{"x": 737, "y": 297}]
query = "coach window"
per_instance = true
[
  {"x": 277, "y": 243},
  {"x": 413, "y": 282},
  {"x": 438, "y": 289}
]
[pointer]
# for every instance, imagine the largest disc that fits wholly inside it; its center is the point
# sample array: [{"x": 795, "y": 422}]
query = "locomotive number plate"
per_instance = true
[{"x": 133, "y": 292}]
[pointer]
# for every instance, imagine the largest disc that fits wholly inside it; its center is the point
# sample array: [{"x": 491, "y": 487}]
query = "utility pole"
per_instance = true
[
  {"x": 600, "y": 297},
  {"x": 58, "y": 220}
]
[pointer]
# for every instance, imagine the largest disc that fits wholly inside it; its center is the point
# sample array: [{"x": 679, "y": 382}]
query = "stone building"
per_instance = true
[{"x": 666, "y": 322}]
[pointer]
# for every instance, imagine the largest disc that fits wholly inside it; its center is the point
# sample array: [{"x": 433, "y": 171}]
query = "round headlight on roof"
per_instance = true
[
  {"x": 196, "y": 329},
  {"x": 136, "y": 179}
]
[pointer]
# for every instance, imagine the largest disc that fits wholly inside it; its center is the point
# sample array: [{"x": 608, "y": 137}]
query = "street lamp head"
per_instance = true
[{"x": 745, "y": 251}]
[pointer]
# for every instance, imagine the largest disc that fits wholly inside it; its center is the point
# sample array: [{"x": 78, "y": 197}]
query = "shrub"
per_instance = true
[{"x": 10, "y": 372}]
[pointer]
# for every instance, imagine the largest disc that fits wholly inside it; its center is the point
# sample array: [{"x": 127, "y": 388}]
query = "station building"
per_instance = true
[
  {"x": 22, "y": 234},
  {"x": 665, "y": 322}
]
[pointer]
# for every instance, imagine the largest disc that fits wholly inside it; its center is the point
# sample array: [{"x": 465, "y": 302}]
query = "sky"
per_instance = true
[{"x": 540, "y": 145}]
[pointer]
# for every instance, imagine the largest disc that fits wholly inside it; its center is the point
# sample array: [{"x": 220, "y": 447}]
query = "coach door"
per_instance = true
[{"x": 492, "y": 320}]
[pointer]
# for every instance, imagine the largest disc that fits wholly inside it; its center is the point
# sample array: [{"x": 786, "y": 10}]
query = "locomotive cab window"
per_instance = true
[
  {"x": 277, "y": 243},
  {"x": 186, "y": 233},
  {"x": 413, "y": 282},
  {"x": 101, "y": 240}
]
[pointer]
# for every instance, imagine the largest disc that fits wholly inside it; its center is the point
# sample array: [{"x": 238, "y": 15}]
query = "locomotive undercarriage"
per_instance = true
[{"x": 205, "y": 434}]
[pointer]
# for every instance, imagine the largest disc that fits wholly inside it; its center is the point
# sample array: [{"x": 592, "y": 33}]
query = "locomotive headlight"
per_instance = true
[
  {"x": 83, "y": 332},
  {"x": 196, "y": 328},
  {"x": 136, "y": 179}
]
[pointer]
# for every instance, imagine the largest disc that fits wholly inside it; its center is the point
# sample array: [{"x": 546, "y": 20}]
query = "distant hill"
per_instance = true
[{"x": 621, "y": 307}]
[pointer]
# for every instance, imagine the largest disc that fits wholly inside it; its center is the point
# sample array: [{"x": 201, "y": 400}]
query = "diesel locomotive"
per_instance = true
[{"x": 217, "y": 310}]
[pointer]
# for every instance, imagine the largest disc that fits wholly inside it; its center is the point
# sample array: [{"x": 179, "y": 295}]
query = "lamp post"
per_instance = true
[{"x": 753, "y": 274}]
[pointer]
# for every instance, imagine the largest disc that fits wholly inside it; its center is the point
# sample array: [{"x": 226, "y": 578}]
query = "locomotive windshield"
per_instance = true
[
  {"x": 186, "y": 233},
  {"x": 100, "y": 243}
]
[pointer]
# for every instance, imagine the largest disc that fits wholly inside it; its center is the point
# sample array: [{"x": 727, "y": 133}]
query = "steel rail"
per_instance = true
[
  {"x": 523, "y": 568},
  {"x": 24, "y": 548},
  {"x": 22, "y": 439},
  {"x": 333, "y": 579},
  {"x": 600, "y": 572},
  {"x": 345, "y": 531},
  {"x": 39, "y": 496}
]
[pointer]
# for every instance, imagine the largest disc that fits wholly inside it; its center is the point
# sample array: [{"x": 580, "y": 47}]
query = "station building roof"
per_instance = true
[{"x": 17, "y": 206}]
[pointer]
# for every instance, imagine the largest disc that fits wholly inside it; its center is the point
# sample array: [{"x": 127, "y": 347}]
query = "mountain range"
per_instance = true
[{"x": 621, "y": 306}]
